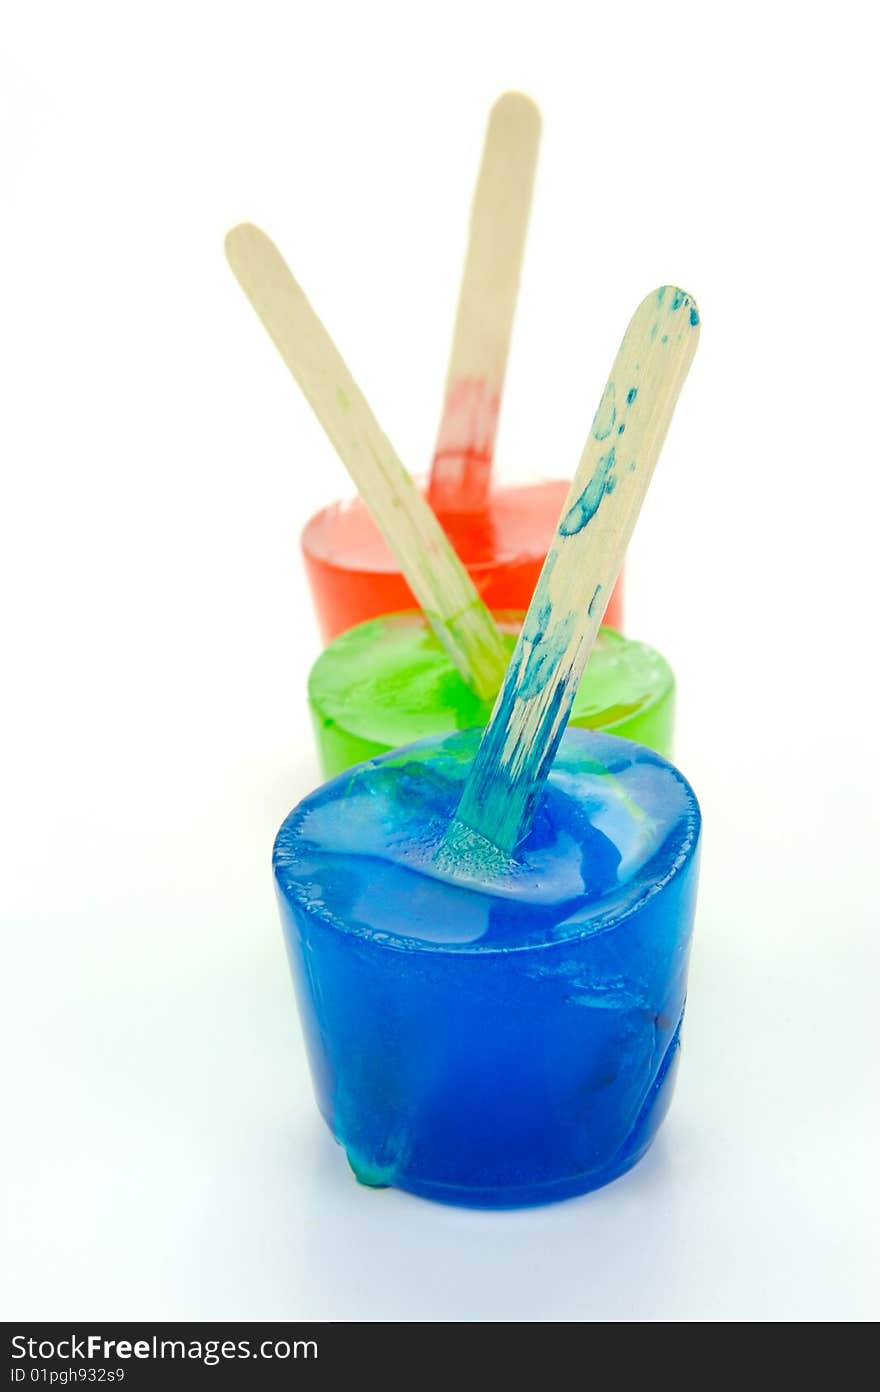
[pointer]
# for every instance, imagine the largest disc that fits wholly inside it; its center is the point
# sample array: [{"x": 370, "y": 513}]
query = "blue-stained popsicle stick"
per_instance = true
[{"x": 533, "y": 706}]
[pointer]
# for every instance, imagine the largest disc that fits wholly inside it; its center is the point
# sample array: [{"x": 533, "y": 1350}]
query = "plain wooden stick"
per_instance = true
[
  {"x": 530, "y": 714},
  {"x": 462, "y": 464},
  {"x": 436, "y": 576}
]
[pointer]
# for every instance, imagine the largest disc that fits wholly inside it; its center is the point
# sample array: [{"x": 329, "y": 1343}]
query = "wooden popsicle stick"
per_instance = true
[
  {"x": 487, "y": 300},
  {"x": 436, "y": 576},
  {"x": 530, "y": 714}
]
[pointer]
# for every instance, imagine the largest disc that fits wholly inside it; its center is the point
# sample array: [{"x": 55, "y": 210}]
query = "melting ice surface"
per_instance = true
[{"x": 362, "y": 850}]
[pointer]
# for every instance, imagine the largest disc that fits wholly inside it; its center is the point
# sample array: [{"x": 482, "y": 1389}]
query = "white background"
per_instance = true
[{"x": 162, "y": 1156}]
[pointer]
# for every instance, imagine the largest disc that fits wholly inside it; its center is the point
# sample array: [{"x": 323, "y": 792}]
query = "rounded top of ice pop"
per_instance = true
[
  {"x": 617, "y": 825},
  {"x": 389, "y": 681}
]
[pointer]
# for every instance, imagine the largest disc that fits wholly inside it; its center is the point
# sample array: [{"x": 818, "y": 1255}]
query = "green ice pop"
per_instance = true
[{"x": 389, "y": 681}]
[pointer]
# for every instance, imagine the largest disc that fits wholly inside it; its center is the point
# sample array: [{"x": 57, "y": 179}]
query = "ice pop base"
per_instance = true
[
  {"x": 389, "y": 682},
  {"x": 353, "y": 575},
  {"x": 493, "y": 1043}
]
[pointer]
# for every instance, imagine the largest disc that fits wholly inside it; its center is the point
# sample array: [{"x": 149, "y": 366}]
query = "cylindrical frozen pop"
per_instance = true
[
  {"x": 506, "y": 1038},
  {"x": 353, "y": 575},
  {"x": 390, "y": 681}
]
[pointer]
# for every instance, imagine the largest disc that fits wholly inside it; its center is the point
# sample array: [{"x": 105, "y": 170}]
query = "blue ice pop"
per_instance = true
[{"x": 501, "y": 1039}]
